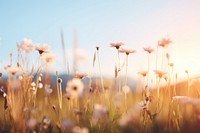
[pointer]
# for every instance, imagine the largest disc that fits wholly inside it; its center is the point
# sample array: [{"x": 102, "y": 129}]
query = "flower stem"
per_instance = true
[
  {"x": 100, "y": 71},
  {"x": 126, "y": 69},
  {"x": 119, "y": 81}
]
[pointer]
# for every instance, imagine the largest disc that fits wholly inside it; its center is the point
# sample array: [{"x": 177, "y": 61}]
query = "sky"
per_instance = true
[{"x": 138, "y": 24}]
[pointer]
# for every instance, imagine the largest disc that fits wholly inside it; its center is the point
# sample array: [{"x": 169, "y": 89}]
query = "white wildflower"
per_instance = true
[
  {"x": 26, "y": 45},
  {"x": 48, "y": 57},
  {"x": 31, "y": 123},
  {"x": 41, "y": 48},
  {"x": 48, "y": 89},
  {"x": 40, "y": 85},
  {"x": 11, "y": 70},
  {"x": 126, "y": 89},
  {"x": 78, "y": 129},
  {"x": 75, "y": 88}
]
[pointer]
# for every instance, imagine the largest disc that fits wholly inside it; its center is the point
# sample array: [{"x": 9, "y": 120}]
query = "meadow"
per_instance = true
[{"x": 29, "y": 101}]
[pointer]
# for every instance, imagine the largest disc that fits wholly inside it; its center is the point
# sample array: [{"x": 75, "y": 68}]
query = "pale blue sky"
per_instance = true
[{"x": 137, "y": 23}]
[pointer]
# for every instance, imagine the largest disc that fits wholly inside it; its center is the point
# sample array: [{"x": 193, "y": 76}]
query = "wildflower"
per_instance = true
[
  {"x": 59, "y": 80},
  {"x": 164, "y": 42},
  {"x": 187, "y": 100},
  {"x": 40, "y": 85},
  {"x": 46, "y": 124},
  {"x": 31, "y": 123},
  {"x": 100, "y": 113},
  {"x": 159, "y": 73},
  {"x": 33, "y": 84},
  {"x": 97, "y": 47},
  {"x": 182, "y": 99},
  {"x": 11, "y": 70},
  {"x": 126, "y": 51},
  {"x": 41, "y": 48},
  {"x": 126, "y": 89},
  {"x": 171, "y": 64},
  {"x": 26, "y": 45},
  {"x": 20, "y": 77},
  {"x": 75, "y": 88},
  {"x": 46, "y": 120},
  {"x": 186, "y": 71},
  {"x": 67, "y": 96},
  {"x": 116, "y": 45},
  {"x": 78, "y": 129},
  {"x": 80, "y": 75},
  {"x": 67, "y": 124},
  {"x": 148, "y": 50},
  {"x": 48, "y": 57},
  {"x": 143, "y": 73},
  {"x": 3, "y": 91},
  {"x": 166, "y": 77},
  {"x": 48, "y": 89},
  {"x": 77, "y": 112},
  {"x": 39, "y": 79}
]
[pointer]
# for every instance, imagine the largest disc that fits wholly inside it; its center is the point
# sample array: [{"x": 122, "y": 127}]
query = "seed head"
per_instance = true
[{"x": 59, "y": 80}]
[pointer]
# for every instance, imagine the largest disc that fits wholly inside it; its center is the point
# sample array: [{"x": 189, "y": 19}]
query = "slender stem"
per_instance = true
[
  {"x": 174, "y": 94},
  {"x": 60, "y": 87},
  {"x": 158, "y": 94},
  {"x": 188, "y": 79},
  {"x": 126, "y": 69},
  {"x": 58, "y": 90},
  {"x": 157, "y": 58},
  {"x": 162, "y": 58},
  {"x": 37, "y": 82},
  {"x": 158, "y": 89},
  {"x": 148, "y": 68},
  {"x": 148, "y": 62},
  {"x": 100, "y": 71},
  {"x": 119, "y": 81},
  {"x": 125, "y": 100}
]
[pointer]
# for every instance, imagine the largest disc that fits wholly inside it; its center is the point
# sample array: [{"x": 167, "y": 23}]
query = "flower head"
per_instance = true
[
  {"x": 143, "y": 73},
  {"x": 126, "y": 51},
  {"x": 164, "y": 42},
  {"x": 117, "y": 45},
  {"x": 100, "y": 111},
  {"x": 11, "y": 70},
  {"x": 26, "y": 45},
  {"x": 75, "y": 88},
  {"x": 80, "y": 75},
  {"x": 159, "y": 73},
  {"x": 78, "y": 129},
  {"x": 97, "y": 47},
  {"x": 31, "y": 123},
  {"x": 67, "y": 124},
  {"x": 41, "y": 48},
  {"x": 148, "y": 49},
  {"x": 126, "y": 89},
  {"x": 48, "y": 57},
  {"x": 47, "y": 89}
]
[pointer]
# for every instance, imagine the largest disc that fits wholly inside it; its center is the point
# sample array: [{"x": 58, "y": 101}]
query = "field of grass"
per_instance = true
[{"x": 31, "y": 103}]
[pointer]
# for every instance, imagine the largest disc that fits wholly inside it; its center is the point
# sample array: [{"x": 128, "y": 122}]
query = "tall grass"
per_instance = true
[{"x": 32, "y": 105}]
